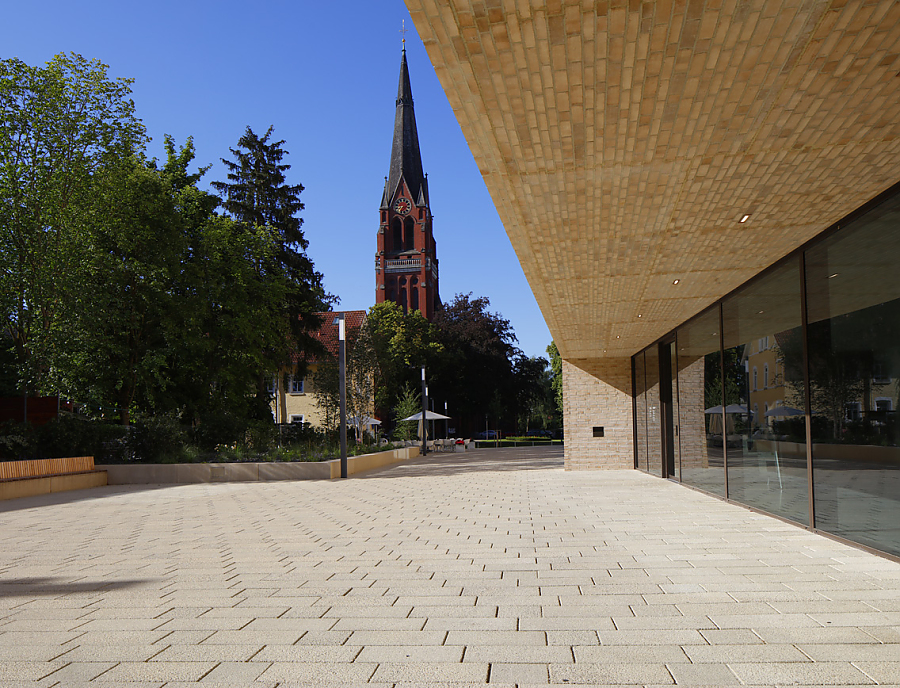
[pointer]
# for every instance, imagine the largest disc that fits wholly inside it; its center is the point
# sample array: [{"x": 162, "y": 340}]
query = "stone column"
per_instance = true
[{"x": 597, "y": 392}]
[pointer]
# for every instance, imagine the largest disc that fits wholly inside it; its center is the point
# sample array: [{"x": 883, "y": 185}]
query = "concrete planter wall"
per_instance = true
[{"x": 185, "y": 473}]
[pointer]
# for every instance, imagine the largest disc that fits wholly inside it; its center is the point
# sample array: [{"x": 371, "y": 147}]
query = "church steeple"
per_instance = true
[
  {"x": 406, "y": 265},
  {"x": 406, "y": 160}
]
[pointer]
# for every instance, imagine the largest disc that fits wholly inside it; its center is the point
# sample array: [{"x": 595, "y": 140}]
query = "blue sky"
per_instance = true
[{"x": 325, "y": 75}]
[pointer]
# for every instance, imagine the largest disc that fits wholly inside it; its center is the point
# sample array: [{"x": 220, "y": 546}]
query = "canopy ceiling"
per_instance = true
[{"x": 622, "y": 142}]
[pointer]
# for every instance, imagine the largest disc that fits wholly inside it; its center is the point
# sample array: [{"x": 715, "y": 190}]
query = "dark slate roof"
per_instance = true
[{"x": 406, "y": 160}]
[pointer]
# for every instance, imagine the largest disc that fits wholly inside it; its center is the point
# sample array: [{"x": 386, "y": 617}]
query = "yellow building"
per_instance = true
[{"x": 295, "y": 399}]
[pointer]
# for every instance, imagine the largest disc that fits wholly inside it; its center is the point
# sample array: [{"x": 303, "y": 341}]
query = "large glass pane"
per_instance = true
[
  {"x": 765, "y": 395},
  {"x": 854, "y": 367},
  {"x": 699, "y": 393},
  {"x": 640, "y": 411},
  {"x": 654, "y": 411}
]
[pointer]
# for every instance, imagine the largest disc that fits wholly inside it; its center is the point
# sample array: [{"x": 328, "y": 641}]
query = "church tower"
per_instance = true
[{"x": 406, "y": 265}]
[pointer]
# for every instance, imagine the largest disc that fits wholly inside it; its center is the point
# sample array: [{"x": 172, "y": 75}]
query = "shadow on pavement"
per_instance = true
[
  {"x": 71, "y": 496},
  {"x": 475, "y": 461},
  {"x": 16, "y": 587}
]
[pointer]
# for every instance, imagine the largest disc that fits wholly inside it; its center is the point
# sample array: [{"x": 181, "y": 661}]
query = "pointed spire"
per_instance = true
[
  {"x": 385, "y": 196},
  {"x": 406, "y": 160}
]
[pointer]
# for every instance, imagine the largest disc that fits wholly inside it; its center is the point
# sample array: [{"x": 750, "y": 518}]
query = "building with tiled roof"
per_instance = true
[{"x": 295, "y": 394}]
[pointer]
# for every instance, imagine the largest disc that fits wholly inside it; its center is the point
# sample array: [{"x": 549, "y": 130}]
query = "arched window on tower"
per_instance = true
[
  {"x": 390, "y": 292},
  {"x": 409, "y": 234},
  {"x": 414, "y": 294},
  {"x": 396, "y": 234},
  {"x": 402, "y": 294}
]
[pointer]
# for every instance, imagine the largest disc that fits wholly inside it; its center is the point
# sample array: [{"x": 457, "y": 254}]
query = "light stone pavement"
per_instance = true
[{"x": 461, "y": 569}]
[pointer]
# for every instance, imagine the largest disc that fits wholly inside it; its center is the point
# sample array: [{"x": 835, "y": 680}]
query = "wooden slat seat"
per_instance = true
[{"x": 42, "y": 468}]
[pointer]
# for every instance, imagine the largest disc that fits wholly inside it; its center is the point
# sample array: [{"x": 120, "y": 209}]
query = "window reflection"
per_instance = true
[
  {"x": 854, "y": 365},
  {"x": 654, "y": 412},
  {"x": 701, "y": 436},
  {"x": 767, "y": 450},
  {"x": 640, "y": 411}
]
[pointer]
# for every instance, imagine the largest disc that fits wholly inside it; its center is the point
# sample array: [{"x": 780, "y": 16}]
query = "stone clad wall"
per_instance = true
[{"x": 598, "y": 392}]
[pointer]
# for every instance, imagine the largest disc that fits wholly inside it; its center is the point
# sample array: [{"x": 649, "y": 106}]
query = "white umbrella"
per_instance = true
[
  {"x": 429, "y": 415},
  {"x": 365, "y": 420},
  {"x": 784, "y": 411},
  {"x": 731, "y": 408}
]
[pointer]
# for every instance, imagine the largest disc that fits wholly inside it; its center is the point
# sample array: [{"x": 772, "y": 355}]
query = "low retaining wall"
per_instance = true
[{"x": 185, "y": 473}]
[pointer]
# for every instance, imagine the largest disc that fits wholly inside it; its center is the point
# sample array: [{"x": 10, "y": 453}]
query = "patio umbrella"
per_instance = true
[
  {"x": 429, "y": 415},
  {"x": 731, "y": 408},
  {"x": 784, "y": 411},
  {"x": 365, "y": 420}
]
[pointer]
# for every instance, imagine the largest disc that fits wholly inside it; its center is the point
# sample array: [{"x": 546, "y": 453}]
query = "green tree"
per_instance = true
[
  {"x": 171, "y": 313},
  {"x": 130, "y": 259},
  {"x": 534, "y": 394},
  {"x": 257, "y": 194},
  {"x": 401, "y": 343},
  {"x": 556, "y": 381},
  {"x": 60, "y": 124},
  {"x": 478, "y": 372},
  {"x": 408, "y": 404}
]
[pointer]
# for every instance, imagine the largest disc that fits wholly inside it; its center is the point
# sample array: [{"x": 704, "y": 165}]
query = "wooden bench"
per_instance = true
[{"x": 43, "y": 476}]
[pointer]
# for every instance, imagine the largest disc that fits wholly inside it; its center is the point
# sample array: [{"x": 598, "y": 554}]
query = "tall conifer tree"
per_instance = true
[{"x": 256, "y": 193}]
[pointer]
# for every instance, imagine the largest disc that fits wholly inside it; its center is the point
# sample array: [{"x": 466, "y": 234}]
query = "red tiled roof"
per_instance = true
[{"x": 328, "y": 333}]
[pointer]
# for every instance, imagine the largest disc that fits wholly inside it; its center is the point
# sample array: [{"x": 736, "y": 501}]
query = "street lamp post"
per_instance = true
[
  {"x": 342, "y": 355},
  {"x": 424, "y": 413}
]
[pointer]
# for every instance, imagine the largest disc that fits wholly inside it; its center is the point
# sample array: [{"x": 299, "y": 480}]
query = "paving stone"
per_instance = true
[
  {"x": 431, "y": 672},
  {"x": 883, "y": 672},
  {"x": 520, "y": 674},
  {"x": 703, "y": 674},
  {"x": 721, "y": 654},
  {"x": 807, "y": 674},
  {"x": 624, "y": 654},
  {"x": 519, "y": 654},
  {"x": 82, "y": 671},
  {"x": 319, "y": 673},
  {"x": 159, "y": 671},
  {"x": 411, "y": 653},
  {"x": 307, "y": 653},
  {"x": 611, "y": 674},
  {"x": 12, "y": 672},
  {"x": 235, "y": 673}
]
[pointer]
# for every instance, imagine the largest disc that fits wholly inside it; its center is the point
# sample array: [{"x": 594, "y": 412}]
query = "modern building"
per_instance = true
[
  {"x": 683, "y": 181},
  {"x": 406, "y": 264}
]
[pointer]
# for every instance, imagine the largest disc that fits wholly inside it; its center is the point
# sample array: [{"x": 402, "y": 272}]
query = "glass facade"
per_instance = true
[
  {"x": 767, "y": 450},
  {"x": 700, "y": 432},
  {"x": 853, "y": 304},
  {"x": 640, "y": 413},
  {"x": 809, "y": 350}
]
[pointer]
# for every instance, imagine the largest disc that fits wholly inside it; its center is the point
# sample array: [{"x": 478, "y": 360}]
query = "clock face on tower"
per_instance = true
[{"x": 402, "y": 206}]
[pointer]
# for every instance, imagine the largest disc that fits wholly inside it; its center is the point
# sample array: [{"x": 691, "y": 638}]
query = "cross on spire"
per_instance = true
[{"x": 403, "y": 32}]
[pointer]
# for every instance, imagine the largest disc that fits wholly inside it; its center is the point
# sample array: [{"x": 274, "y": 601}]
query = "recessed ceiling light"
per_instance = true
[
  {"x": 834, "y": 275},
  {"x": 676, "y": 281},
  {"x": 640, "y": 316},
  {"x": 617, "y": 336},
  {"x": 744, "y": 219},
  {"x": 760, "y": 312}
]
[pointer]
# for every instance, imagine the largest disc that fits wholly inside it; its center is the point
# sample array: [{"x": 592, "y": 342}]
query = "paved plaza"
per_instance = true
[{"x": 495, "y": 566}]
